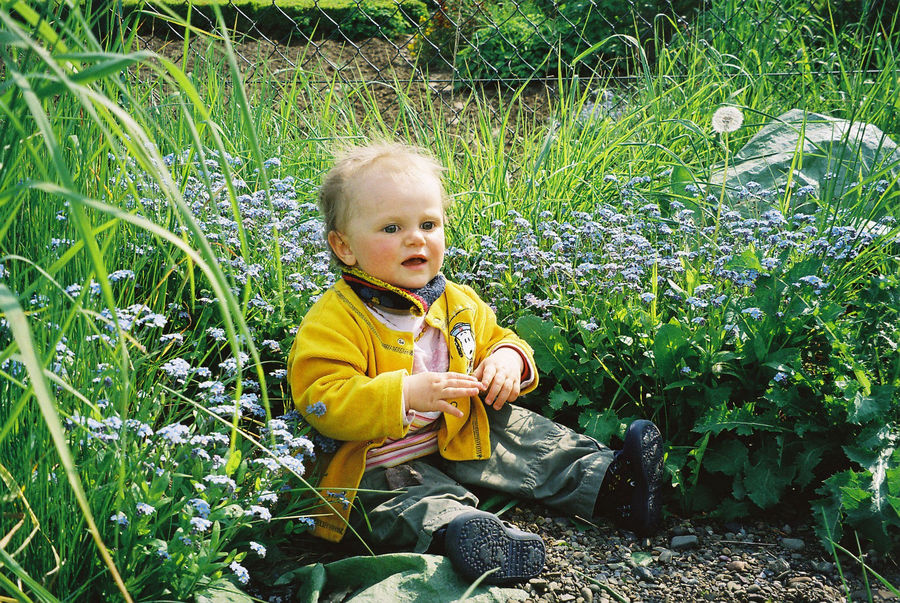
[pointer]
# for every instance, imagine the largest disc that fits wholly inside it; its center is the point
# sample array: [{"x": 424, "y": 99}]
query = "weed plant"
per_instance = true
[{"x": 159, "y": 243}]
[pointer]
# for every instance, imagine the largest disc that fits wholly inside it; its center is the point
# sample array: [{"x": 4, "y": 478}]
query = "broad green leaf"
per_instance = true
[
  {"x": 599, "y": 425},
  {"x": 669, "y": 340},
  {"x": 727, "y": 457},
  {"x": 222, "y": 591},
  {"x": 766, "y": 478},
  {"x": 234, "y": 459},
  {"x": 679, "y": 179},
  {"x": 867, "y": 408},
  {"x": 641, "y": 559},
  {"x": 551, "y": 348},
  {"x": 746, "y": 260},
  {"x": 560, "y": 398}
]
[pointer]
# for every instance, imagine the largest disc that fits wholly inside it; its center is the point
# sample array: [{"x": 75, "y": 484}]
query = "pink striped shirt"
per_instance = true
[{"x": 430, "y": 353}]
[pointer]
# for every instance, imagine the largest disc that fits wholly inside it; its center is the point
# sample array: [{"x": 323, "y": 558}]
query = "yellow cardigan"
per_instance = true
[{"x": 354, "y": 365}]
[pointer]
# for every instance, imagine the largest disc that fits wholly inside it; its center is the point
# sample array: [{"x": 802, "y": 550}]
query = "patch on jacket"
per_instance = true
[{"x": 464, "y": 340}]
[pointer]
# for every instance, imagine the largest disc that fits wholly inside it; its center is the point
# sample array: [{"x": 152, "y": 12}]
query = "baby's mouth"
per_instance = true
[{"x": 416, "y": 261}]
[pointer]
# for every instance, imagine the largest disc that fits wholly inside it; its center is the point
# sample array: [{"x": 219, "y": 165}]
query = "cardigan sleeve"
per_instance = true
[{"x": 328, "y": 363}]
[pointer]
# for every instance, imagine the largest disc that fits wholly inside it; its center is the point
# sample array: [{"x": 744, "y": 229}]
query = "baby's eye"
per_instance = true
[
  {"x": 390, "y": 228},
  {"x": 428, "y": 225}
]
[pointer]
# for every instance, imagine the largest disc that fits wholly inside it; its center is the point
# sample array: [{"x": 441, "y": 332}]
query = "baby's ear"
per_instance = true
[{"x": 341, "y": 249}]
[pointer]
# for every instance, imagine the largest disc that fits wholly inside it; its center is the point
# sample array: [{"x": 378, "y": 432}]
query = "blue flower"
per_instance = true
[
  {"x": 257, "y": 511},
  {"x": 119, "y": 518},
  {"x": 175, "y": 433},
  {"x": 200, "y": 524},
  {"x": 240, "y": 571},
  {"x": 200, "y": 506},
  {"x": 317, "y": 409},
  {"x": 145, "y": 509},
  {"x": 177, "y": 367},
  {"x": 647, "y": 297},
  {"x": 258, "y": 548},
  {"x": 755, "y": 313}
]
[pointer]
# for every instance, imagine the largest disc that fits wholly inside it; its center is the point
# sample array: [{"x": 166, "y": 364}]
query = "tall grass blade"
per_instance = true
[{"x": 18, "y": 324}]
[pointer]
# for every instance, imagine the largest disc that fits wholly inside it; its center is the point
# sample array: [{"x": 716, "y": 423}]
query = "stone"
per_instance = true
[
  {"x": 737, "y": 565},
  {"x": 586, "y": 594},
  {"x": 835, "y": 152},
  {"x": 684, "y": 542},
  {"x": 793, "y": 544},
  {"x": 642, "y": 573},
  {"x": 666, "y": 556}
]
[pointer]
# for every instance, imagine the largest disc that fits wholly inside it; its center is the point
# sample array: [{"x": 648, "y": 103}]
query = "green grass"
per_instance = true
[{"x": 83, "y": 142}]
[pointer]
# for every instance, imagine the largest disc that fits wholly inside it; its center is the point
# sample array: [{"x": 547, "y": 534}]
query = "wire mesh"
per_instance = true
[{"x": 446, "y": 49}]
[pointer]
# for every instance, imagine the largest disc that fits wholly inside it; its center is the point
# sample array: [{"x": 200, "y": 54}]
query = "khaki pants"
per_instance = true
[{"x": 531, "y": 458}]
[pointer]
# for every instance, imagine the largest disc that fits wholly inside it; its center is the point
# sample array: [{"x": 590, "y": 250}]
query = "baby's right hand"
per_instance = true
[{"x": 427, "y": 392}]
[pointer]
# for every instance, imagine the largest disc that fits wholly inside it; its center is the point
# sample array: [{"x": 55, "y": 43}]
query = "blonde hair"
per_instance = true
[{"x": 392, "y": 158}]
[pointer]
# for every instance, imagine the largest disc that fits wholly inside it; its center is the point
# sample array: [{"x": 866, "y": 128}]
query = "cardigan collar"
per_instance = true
[{"x": 376, "y": 292}]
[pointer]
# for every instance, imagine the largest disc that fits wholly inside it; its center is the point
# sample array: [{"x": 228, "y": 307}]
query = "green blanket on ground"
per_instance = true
[{"x": 392, "y": 577}]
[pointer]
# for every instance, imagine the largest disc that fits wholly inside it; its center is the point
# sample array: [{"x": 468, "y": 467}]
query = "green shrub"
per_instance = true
[
  {"x": 285, "y": 19},
  {"x": 512, "y": 45}
]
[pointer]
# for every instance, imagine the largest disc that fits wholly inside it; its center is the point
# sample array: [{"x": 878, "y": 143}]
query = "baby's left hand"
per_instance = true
[{"x": 501, "y": 376}]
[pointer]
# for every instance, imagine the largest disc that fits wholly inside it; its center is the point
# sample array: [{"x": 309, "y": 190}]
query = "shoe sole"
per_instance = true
[
  {"x": 478, "y": 542},
  {"x": 645, "y": 503}
]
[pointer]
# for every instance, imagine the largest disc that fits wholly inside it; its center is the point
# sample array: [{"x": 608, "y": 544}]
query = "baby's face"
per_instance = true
[{"x": 395, "y": 228}]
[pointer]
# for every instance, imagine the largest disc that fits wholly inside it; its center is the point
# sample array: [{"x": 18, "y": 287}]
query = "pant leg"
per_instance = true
[
  {"x": 406, "y": 518},
  {"x": 535, "y": 458}
]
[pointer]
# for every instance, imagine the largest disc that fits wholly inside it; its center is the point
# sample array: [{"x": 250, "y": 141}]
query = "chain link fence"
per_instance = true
[{"x": 443, "y": 50}]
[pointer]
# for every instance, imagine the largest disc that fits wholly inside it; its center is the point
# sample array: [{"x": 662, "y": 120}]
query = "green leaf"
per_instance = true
[
  {"x": 746, "y": 260},
  {"x": 222, "y": 591},
  {"x": 559, "y": 398},
  {"x": 727, "y": 457},
  {"x": 766, "y": 479},
  {"x": 640, "y": 558},
  {"x": 808, "y": 460},
  {"x": 551, "y": 348},
  {"x": 867, "y": 408},
  {"x": 669, "y": 340},
  {"x": 234, "y": 459},
  {"x": 680, "y": 178},
  {"x": 599, "y": 425}
]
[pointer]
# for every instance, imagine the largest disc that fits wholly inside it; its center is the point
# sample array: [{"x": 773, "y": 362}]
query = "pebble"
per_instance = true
[
  {"x": 792, "y": 544},
  {"x": 737, "y": 566},
  {"x": 684, "y": 542},
  {"x": 586, "y": 594},
  {"x": 642, "y": 573},
  {"x": 666, "y": 556}
]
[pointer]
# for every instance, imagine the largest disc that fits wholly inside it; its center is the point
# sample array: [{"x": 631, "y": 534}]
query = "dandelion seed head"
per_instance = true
[{"x": 727, "y": 119}]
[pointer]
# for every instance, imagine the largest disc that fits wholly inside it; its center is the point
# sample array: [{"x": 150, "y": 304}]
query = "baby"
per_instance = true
[{"x": 414, "y": 377}]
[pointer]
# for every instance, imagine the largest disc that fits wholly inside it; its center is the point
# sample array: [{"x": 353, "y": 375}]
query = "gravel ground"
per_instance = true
[
  {"x": 692, "y": 560},
  {"x": 688, "y": 560}
]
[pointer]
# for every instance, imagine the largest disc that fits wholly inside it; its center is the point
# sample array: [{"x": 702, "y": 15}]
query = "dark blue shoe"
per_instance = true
[
  {"x": 630, "y": 491},
  {"x": 477, "y": 542}
]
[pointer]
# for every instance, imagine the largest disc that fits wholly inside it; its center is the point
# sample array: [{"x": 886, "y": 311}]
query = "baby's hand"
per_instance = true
[
  {"x": 431, "y": 391},
  {"x": 501, "y": 375}
]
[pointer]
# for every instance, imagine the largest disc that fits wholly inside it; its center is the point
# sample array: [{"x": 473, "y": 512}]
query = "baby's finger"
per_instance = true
[
  {"x": 462, "y": 377},
  {"x": 463, "y": 391},
  {"x": 503, "y": 395},
  {"x": 493, "y": 391},
  {"x": 448, "y": 408},
  {"x": 488, "y": 375}
]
